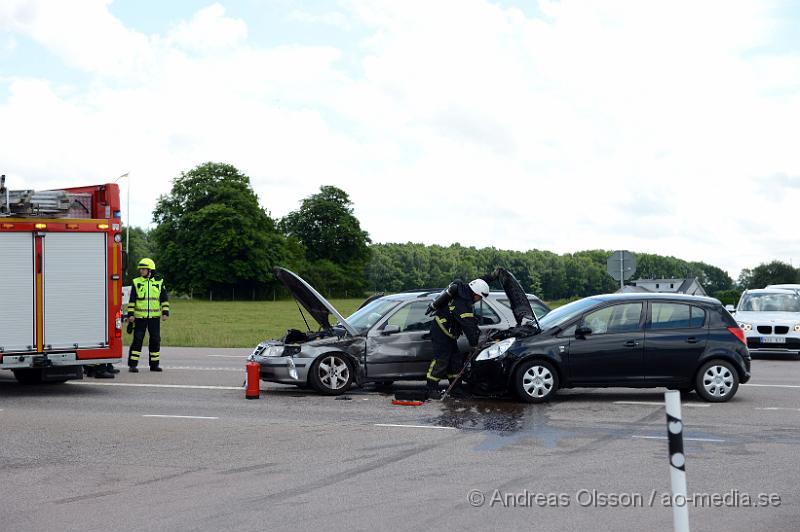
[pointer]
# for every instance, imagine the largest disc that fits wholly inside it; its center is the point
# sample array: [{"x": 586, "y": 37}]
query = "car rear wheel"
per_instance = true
[
  {"x": 717, "y": 381},
  {"x": 535, "y": 381},
  {"x": 331, "y": 374}
]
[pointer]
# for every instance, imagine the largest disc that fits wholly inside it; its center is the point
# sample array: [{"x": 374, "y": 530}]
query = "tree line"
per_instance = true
[{"x": 213, "y": 239}]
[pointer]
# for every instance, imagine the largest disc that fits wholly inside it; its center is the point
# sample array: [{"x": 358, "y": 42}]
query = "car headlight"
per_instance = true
[
  {"x": 797, "y": 328},
  {"x": 266, "y": 351},
  {"x": 496, "y": 350},
  {"x": 746, "y": 327}
]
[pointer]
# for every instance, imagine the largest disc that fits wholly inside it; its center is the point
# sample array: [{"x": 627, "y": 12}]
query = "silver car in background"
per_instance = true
[
  {"x": 385, "y": 340},
  {"x": 770, "y": 318}
]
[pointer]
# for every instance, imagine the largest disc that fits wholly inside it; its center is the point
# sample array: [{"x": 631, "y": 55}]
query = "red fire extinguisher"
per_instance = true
[{"x": 253, "y": 382}]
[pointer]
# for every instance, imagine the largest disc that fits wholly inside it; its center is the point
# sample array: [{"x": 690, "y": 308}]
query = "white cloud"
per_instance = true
[
  {"x": 622, "y": 124},
  {"x": 209, "y": 30}
]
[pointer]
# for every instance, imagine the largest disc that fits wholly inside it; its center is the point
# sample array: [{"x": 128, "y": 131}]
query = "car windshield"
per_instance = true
[
  {"x": 787, "y": 302},
  {"x": 560, "y": 315},
  {"x": 364, "y": 318}
]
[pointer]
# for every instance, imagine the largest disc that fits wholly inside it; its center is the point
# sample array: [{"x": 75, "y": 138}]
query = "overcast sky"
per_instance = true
[{"x": 667, "y": 127}]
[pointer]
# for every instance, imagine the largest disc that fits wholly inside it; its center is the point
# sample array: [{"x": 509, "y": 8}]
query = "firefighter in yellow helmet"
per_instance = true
[{"x": 149, "y": 303}]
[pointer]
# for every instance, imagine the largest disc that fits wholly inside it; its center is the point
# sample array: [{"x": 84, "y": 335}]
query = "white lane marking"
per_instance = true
[
  {"x": 712, "y": 440},
  {"x": 773, "y": 385},
  {"x": 179, "y": 417},
  {"x": 778, "y": 408},
  {"x": 414, "y": 426},
  {"x": 657, "y": 403},
  {"x": 202, "y": 368},
  {"x": 228, "y": 356},
  {"x": 142, "y": 385}
]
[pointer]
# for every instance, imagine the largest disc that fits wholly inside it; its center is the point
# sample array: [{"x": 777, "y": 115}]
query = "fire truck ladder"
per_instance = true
[{"x": 30, "y": 203}]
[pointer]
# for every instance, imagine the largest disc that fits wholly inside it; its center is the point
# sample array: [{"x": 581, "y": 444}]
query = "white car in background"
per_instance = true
[{"x": 770, "y": 318}]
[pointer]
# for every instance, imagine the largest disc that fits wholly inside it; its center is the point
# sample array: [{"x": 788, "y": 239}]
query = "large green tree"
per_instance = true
[
  {"x": 775, "y": 272},
  {"x": 336, "y": 248},
  {"x": 213, "y": 236}
]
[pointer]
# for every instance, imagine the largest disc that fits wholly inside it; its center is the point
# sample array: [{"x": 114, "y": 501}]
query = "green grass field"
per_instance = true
[
  {"x": 239, "y": 323},
  {"x": 234, "y": 323}
]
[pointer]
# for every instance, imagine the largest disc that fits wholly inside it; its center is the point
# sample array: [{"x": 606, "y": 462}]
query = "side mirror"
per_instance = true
[
  {"x": 730, "y": 308},
  {"x": 583, "y": 331},
  {"x": 390, "y": 329}
]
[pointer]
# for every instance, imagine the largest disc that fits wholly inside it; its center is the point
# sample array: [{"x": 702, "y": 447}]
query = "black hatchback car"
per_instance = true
[{"x": 619, "y": 340}]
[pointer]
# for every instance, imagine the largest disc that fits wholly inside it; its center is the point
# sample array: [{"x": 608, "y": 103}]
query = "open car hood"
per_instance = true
[
  {"x": 312, "y": 301},
  {"x": 520, "y": 306}
]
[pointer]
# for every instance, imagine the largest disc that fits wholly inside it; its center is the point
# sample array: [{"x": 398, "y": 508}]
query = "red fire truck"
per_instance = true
[{"x": 60, "y": 281}]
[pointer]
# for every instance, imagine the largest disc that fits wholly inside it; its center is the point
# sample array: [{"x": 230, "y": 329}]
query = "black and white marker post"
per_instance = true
[{"x": 677, "y": 461}]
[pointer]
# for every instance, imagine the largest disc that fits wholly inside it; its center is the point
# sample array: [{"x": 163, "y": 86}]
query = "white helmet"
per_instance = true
[{"x": 480, "y": 287}]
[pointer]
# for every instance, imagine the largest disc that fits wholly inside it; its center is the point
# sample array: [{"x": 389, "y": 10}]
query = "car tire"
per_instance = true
[
  {"x": 331, "y": 374},
  {"x": 28, "y": 376},
  {"x": 535, "y": 381},
  {"x": 717, "y": 381}
]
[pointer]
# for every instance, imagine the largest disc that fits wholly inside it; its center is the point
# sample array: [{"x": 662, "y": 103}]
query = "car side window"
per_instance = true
[
  {"x": 569, "y": 332},
  {"x": 485, "y": 314},
  {"x": 676, "y": 316},
  {"x": 412, "y": 317},
  {"x": 698, "y": 317},
  {"x": 614, "y": 319}
]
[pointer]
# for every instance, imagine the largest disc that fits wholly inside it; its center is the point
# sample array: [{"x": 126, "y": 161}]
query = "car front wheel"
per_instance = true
[
  {"x": 717, "y": 381},
  {"x": 331, "y": 374},
  {"x": 535, "y": 381}
]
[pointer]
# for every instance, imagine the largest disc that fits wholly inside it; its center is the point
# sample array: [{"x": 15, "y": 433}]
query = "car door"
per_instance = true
[
  {"x": 614, "y": 350},
  {"x": 400, "y": 346},
  {"x": 675, "y": 336}
]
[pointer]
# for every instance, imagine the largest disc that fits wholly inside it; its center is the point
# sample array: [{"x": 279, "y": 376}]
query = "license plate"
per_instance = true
[{"x": 773, "y": 340}]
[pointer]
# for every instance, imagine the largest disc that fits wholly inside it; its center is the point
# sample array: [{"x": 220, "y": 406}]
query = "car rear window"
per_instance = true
[{"x": 676, "y": 316}]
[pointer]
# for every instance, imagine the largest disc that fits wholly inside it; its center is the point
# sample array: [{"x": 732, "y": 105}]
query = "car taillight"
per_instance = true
[
  {"x": 118, "y": 325},
  {"x": 738, "y": 333}
]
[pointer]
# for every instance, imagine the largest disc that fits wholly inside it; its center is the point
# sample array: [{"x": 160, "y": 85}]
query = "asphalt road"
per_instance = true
[{"x": 118, "y": 455}]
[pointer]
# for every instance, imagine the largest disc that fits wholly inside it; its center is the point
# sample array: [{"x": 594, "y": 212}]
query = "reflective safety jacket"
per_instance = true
[
  {"x": 149, "y": 298},
  {"x": 458, "y": 316}
]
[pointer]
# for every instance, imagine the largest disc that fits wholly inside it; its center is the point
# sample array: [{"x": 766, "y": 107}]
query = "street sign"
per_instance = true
[{"x": 621, "y": 266}]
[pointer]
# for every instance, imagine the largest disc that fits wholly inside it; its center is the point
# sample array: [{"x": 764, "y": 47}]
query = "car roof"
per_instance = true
[
  {"x": 636, "y": 296},
  {"x": 422, "y": 294}
]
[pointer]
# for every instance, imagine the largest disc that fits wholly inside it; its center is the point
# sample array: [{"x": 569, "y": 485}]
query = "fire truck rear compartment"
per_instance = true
[{"x": 74, "y": 292}]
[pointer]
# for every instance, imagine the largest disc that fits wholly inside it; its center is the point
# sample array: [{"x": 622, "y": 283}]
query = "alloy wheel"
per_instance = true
[{"x": 334, "y": 373}]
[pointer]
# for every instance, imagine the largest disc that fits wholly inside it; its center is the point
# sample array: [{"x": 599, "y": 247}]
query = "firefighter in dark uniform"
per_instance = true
[
  {"x": 449, "y": 321},
  {"x": 149, "y": 303}
]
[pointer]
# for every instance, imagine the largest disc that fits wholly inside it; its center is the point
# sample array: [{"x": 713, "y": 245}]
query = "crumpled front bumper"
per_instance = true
[
  {"x": 282, "y": 369},
  {"x": 488, "y": 377}
]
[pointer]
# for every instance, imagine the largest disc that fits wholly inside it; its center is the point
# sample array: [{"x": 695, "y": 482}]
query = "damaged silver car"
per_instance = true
[{"x": 385, "y": 340}]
